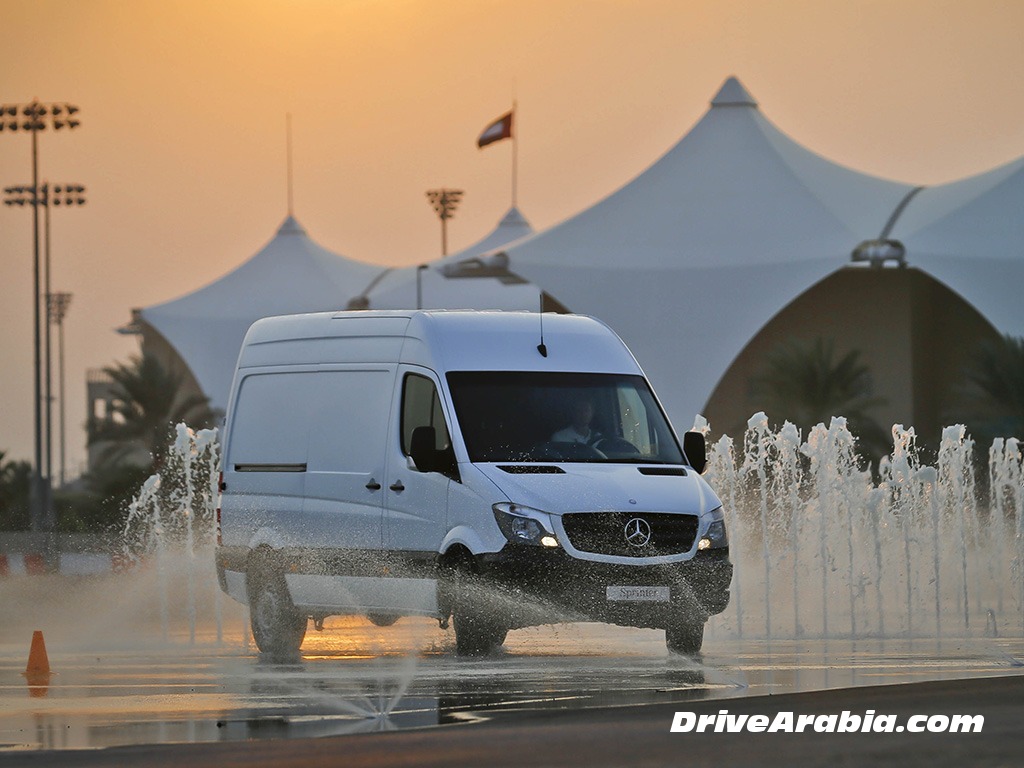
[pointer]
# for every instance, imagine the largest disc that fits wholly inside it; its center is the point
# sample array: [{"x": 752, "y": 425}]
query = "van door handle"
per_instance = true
[
  {"x": 373, "y": 485},
  {"x": 397, "y": 486}
]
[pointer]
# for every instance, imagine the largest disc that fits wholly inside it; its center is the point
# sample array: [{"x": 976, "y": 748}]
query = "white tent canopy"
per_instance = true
[
  {"x": 688, "y": 261},
  {"x": 446, "y": 283},
  {"x": 969, "y": 234},
  {"x": 290, "y": 274}
]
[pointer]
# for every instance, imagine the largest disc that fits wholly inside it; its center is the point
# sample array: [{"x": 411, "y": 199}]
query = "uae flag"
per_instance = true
[{"x": 496, "y": 131}]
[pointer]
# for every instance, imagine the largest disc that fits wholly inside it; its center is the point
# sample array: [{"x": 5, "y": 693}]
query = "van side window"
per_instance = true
[{"x": 421, "y": 407}]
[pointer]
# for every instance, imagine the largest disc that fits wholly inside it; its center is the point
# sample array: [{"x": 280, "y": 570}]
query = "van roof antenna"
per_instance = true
[{"x": 541, "y": 347}]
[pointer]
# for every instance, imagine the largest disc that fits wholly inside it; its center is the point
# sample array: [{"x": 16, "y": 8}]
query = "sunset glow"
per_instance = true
[{"x": 182, "y": 144}]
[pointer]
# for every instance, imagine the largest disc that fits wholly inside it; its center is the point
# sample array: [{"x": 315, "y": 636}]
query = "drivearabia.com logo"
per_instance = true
[{"x": 845, "y": 722}]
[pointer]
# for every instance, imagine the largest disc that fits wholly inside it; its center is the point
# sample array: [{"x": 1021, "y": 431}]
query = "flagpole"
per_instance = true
[
  {"x": 288, "y": 140},
  {"x": 515, "y": 152}
]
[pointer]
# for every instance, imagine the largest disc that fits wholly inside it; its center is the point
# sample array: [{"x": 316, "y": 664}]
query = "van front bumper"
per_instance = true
[{"x": 547, "y": 585}]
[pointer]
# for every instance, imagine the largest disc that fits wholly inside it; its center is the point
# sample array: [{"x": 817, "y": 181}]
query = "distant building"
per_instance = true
[{"x": 101, "y": 396}]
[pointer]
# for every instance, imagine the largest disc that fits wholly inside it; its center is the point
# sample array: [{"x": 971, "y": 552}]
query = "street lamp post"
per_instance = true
[
  {"x": 57, "y": 304},
  {"x": 68, "y": 195},
  {"x": 47, "y": 196},
  {"x": 33, "y": 118},
  {"x": 445, "y": 201}
]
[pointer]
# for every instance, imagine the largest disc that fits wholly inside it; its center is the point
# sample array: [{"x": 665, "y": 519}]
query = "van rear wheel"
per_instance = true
[
  {"x": 479, "y": 628},
  {"x": 277, "y": 625}
]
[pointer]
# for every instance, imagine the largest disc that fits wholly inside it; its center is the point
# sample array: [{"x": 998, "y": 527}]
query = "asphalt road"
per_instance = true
[{"x": 634, "y": 736}]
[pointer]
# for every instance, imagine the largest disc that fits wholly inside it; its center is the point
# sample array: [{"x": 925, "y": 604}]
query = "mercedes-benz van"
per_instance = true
[{"x": 502, "y": 469}]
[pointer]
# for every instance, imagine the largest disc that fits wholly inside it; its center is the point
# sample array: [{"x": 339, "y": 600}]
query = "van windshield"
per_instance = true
[{"x": 561, "y": 417}]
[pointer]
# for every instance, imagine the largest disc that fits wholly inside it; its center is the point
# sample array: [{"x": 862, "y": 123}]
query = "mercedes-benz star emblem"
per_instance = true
[{"x": 638, "y": 532}]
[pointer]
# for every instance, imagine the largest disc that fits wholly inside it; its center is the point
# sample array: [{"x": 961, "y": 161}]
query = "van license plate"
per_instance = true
[{"x": 639, "y": 594}]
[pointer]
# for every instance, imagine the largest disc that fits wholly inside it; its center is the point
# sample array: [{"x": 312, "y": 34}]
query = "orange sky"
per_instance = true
[{"x": 182, "y": 144}]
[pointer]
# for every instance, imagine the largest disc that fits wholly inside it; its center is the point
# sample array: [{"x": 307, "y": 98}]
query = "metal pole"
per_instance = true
[
  {"x": 515, "y": 152},
  {"x": 39, "y": 494},
  {"x": 57, "y": 305},
  {"x": 49, "y": 362},
  {"x": 60, "y": 347},
  {"x": 288, "y": 125}
]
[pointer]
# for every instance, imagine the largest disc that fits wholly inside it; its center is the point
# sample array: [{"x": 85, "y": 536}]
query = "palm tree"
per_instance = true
[
  {"x": 808, "y": 385},
  {"x": 995, "y": 389},
  {"x": 149, "y": 402}
]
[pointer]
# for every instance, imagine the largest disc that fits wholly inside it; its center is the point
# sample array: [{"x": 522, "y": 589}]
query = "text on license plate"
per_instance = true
[{"x": 639, "y": 594}]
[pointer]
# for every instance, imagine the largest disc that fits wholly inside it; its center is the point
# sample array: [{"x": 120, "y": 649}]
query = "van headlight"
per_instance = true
[
  {"x": 715, "y": 536},
  {"x": 524, "y": 525}
]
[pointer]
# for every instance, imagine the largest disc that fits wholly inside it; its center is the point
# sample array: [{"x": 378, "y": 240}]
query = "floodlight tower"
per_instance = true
[
  {"x": 445, "y": 201},
  {"x": 33, "y": 118}
]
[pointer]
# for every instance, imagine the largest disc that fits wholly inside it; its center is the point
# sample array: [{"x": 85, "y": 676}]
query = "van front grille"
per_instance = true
[{"x": 631, "y": 534}]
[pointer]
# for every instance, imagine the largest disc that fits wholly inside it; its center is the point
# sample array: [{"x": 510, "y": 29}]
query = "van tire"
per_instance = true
[
  {"x": 476, "y": 633},
  {"x": 382, "y": 619},
  {"x": 685, "y": 636},
  {"x": 479, "y": 630},
  {"x": 278, "y": 627}
]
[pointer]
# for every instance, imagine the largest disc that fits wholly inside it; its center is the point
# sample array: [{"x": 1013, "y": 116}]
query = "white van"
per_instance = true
[{"x": 505, "y": 469}]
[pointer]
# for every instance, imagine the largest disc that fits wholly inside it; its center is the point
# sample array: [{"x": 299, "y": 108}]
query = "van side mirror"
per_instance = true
[
  {"x": 422, "y": 449},
  {"x": 695, "y": 448}
]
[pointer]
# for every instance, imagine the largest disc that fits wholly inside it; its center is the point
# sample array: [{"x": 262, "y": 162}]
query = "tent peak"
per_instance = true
[
  {"x": 291, "y": 226},
  {"x": 514, "y": 218},
  {"x": 733, "y": 94}
]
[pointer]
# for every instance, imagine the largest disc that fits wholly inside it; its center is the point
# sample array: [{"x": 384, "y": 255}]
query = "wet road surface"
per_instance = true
[
  {"x": 355, "y": 677},
  {"x": 636, "y": 736},
  {"x": 129, "y": 674}
]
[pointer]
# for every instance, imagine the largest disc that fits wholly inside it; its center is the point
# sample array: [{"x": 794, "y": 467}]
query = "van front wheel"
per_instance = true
[
  {"x": 479, "y": 629},
  {"x": 277, "y": 626},
  {"x": 685, "y": 636}
]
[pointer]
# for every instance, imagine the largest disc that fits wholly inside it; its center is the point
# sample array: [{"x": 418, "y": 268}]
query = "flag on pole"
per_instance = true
[{"x": 496, "y": 131}]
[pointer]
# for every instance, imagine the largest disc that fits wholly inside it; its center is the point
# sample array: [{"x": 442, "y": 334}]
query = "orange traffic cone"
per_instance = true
[{"x": 38, "y": 670}]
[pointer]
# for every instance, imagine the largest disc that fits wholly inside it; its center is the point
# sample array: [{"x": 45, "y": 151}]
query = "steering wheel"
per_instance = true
[
  {"x": 552, "y": 451},
  {"x": 617, "y": 448}
]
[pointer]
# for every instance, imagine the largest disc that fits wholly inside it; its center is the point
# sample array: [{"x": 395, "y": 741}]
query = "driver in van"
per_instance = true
[{"x": 579, "y": 429}]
